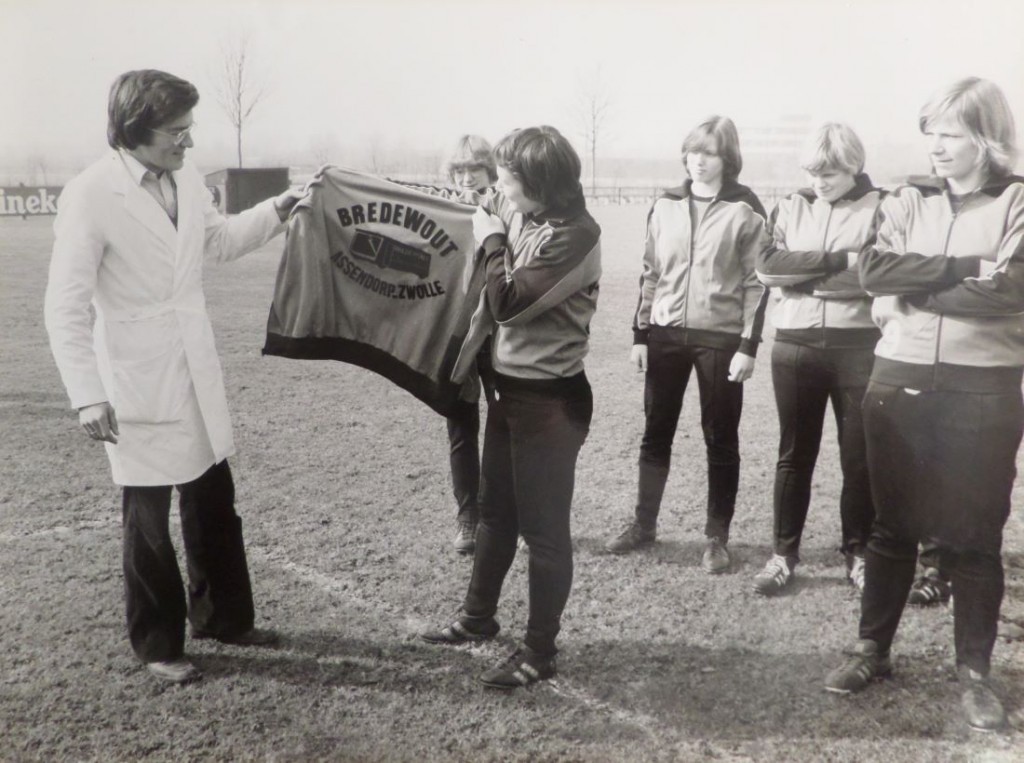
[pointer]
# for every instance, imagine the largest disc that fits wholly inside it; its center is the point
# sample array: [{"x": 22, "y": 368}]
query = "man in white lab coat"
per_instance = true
[{"x": 132, "y": 234}]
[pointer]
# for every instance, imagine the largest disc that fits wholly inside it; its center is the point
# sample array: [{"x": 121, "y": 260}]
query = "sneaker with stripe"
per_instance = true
[
  {"x": 929, "y": 589},
  {"x": 776, "y": 575},
  {"x": 855, "y": 572},
  {"x": 521, "y": 668},
  {"x": 464, "y": 630},
  {"x": 863, "y": 665}
]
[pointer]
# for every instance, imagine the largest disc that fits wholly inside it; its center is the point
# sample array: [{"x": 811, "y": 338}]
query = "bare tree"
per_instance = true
[
  {"x": 324, "y": 149},
  {"x": 36, "y": 167},
  {"x": 375, "y": 155},
  {"x": 594, "y": 107},
  {"x": 238, "y": 89}
]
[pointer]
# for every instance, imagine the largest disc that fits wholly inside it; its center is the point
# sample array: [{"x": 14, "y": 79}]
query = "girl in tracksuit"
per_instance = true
[
  {"x": 943, "y": 414},
  {"x": 824, "y": 344},
  {"x": 542, "y": 257},
  {"x": 701, "y": 309},
  {"x": 469, "y": 168}
]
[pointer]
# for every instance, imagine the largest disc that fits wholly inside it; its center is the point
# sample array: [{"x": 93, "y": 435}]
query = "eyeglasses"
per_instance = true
[{"x": 178, "y": 136}]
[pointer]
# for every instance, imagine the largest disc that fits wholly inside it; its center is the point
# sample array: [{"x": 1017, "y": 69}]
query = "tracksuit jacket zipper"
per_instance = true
[
  {"x": 945, "y": 250},
  {"x": 824, "y": 302},
  {"x": 692, "y": 206}
]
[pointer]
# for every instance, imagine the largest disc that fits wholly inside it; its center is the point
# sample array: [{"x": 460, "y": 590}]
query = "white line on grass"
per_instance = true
[
  {"x": 344, "y": 590},
  {"x": 96, "y": 524}
]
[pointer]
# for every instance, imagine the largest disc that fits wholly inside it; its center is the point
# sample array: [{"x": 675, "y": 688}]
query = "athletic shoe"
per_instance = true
[
  {"x": 633, "y": 538},
  {"x": 982, "y": 708},
  {"x": 521, "y": 668},
  {"x": 855, "y": 573},
  {"x": 465, "y": 538},
  {"x": 463, "y": 631},
  {"x": 716, "y": 559},
  {"x": 929, "y": 589},
  {"x": 864, "y": 665},
  {"x": 174, "y": 671},
  {"x": 776, "y": 575}
]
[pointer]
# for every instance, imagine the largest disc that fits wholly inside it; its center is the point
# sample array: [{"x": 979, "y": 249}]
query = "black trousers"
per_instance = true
[
  {"x": 805, "y": 380},
  {"x": 464, "y": 457},
  {"x": 721, "y": 403},
  {"x": 942, "y": 467},
  {"x": 219, "y": 592},
  {"x": 464, "y": 447},
  {"x": 533, "y": 435}
]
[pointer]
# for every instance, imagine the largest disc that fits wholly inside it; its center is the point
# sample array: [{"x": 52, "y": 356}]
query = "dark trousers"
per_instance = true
[
  {"x": 805, "y": 380},
  {"x": 721, "y": 403},
  {"x": 463, "y": 444},
  {"x": 534, "y": 432},
  {"x": 464, "y": 457},
  {"x": 942, "y": 467},
  {"x": 219, "y": 593}
]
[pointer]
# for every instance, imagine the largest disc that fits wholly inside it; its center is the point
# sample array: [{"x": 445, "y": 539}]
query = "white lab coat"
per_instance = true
[{"x": 151, "y": 353}]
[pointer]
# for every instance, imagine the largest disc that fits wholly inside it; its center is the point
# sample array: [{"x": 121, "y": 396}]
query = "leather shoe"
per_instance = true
[
  {"x": 174, "y": 671},
  {"x": 716, "y": 559},
  {"x": 251, "y": 637},
  {"x": 982, "y": 707}
]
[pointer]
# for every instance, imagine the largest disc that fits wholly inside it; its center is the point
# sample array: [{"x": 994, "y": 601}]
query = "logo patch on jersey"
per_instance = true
[{"x": 387, "y": 253}]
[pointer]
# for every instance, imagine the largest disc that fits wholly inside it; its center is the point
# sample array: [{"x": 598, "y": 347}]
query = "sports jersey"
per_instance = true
[{"x": 382, "y": 276}]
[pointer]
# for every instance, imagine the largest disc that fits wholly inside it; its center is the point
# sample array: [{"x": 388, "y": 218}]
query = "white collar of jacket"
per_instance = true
[
  {"x": 929, "y": 185},
  {"x": 141, "y": 206}
]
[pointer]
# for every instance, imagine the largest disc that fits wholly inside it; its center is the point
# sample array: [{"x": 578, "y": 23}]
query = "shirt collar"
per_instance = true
[{"x": 136, "y": 169}]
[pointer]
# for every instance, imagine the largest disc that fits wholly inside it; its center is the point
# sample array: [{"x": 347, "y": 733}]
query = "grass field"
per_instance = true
[{"x": 343, "y": 486}]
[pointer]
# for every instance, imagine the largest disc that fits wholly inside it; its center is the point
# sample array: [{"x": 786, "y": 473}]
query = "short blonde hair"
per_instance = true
[
  {"x": 834, "y": 146},
  {"x": 983, "y": 111},
  {"x": 717, "y": 135},
  {"x": 471, "y": 151}
]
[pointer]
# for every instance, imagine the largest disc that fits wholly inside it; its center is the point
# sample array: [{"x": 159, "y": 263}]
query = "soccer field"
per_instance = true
[{"x": 343, "y": 487}]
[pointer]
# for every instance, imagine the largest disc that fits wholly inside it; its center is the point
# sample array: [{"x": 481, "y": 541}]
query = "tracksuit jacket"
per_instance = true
[
  {"x": 699, "y": 287},
  {"x": 541, "y": 287},
  {"x": 949, "y": 287},
  {"x": 820, "y": 302}
]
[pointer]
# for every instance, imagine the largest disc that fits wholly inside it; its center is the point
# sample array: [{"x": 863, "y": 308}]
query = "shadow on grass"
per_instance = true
[
  {"x": 328, "y": 658},
  {"x": 668, "y": 687},
  {"x": 737, "y": 694}
]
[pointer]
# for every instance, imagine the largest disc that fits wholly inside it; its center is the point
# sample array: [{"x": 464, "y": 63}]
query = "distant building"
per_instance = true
[{"x": 771, "y": 152}]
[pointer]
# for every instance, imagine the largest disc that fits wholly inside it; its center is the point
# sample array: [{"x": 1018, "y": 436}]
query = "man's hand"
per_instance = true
[
  {"x": 99, "y": 422},
  {"x": 741, "y": 368},
  {"x": 486, "y": 225},
  {"x": 287, "y": 200},
  {"x": 638, "y": 357}
]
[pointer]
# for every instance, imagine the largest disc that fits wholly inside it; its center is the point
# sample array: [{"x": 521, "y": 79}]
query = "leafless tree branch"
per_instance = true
[{"x": 238, "y": 89}]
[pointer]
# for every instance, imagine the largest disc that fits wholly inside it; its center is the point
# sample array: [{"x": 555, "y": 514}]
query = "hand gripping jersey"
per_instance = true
[{"x": 382, "y": 276}]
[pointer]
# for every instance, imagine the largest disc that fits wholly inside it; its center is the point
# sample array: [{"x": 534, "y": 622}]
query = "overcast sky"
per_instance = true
[{"x": 416, "y": 74}]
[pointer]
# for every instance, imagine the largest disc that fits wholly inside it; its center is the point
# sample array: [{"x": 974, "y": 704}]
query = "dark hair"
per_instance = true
[
  {"x": 544, "y": 162},
  {"x": 143, "y": 100},
  {"x": 717, "y": 135}
]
